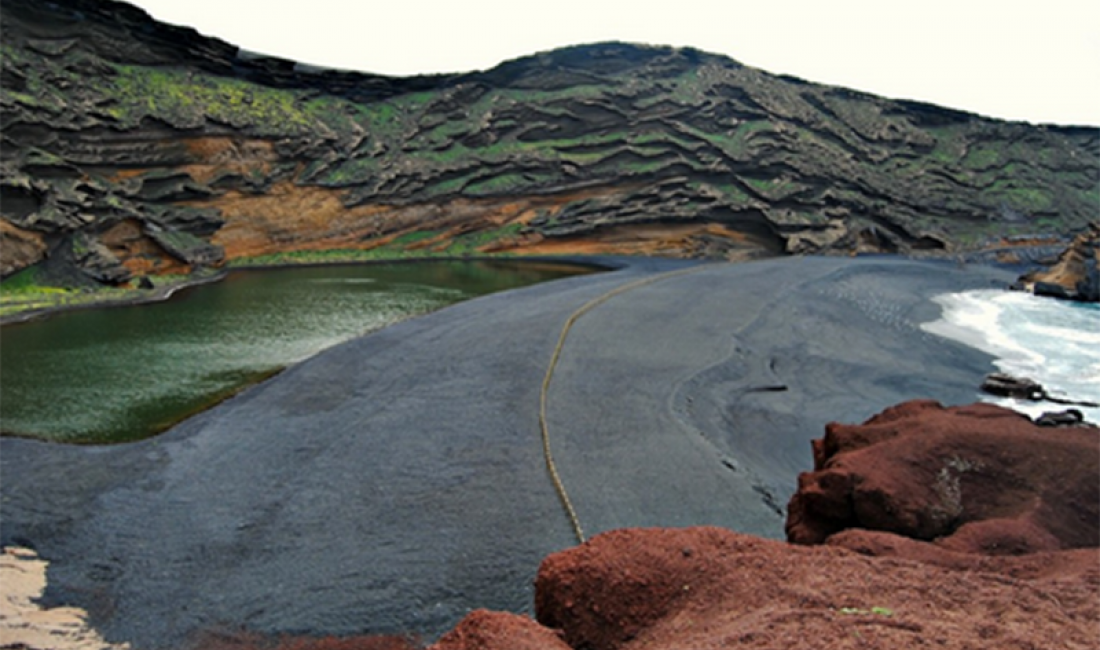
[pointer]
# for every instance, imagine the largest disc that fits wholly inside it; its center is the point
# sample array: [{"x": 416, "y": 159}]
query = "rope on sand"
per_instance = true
[{"x": 551, "y": 467}]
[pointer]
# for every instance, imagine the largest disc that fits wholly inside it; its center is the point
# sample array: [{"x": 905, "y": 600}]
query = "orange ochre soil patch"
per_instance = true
[{"x": 290, "y": 217}]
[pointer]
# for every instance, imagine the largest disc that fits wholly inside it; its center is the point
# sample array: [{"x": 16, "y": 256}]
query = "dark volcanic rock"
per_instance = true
[
  {"x": 97, "y": 261},
  {"x": 108, "y": 115},
  {"x": 1066, "y": 418},
  {"x": 1053, "y": 290},
  {"x": 1003, "y": 385},
  {"x": 185, "y": 247},
  {"x": 977, "y": 478}
]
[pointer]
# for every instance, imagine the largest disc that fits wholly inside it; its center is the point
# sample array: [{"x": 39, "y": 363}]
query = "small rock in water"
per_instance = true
[
  {"x": 1004, "y": 385},
  {"x": 1067, "y": 418}
]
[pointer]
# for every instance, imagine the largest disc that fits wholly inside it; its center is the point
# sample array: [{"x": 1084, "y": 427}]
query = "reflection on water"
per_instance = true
[{"x": 112, "y": 375}]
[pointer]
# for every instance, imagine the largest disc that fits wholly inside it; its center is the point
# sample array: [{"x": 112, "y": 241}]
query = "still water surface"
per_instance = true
[{"x": 111, "y": 375}]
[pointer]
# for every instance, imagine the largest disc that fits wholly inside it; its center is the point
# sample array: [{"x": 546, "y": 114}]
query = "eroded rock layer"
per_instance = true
[
  {"x": 1076, "y": 274},
  {"x": 209, "y": 152}
]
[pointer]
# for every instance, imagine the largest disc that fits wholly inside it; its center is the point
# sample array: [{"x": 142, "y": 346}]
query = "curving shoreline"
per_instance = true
[
  {"x": 313, "y": 481},
  {"x": 156, "y": 295},
  {"x": 124, "y": 374},
  {"x": 165, "y": 293}
]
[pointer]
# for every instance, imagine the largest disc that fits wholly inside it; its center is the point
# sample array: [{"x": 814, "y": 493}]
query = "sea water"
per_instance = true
[
  {"x": 1053, "y": 342},
  {"x": 113, "y": 375}
]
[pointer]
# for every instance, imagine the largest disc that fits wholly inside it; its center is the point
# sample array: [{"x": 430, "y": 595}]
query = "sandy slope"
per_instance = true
[{"x": 26, "y": 624}]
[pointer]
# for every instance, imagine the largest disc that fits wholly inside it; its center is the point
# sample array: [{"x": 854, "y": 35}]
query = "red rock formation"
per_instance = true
[
  {"x": 485, "y": 630},
  {"x": 705, "y": 588},
  {"x": 1002, "y": 499},
  {"x": 978, "y": 479},
  {"x": 252, "y": 641}
]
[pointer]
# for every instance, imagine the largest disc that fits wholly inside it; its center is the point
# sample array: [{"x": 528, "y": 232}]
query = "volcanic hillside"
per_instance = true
[{"x": 132, "y": 147}]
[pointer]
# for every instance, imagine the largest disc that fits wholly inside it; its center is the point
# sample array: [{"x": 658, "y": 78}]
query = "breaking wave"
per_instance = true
[{"x": 1054, "y": 342}]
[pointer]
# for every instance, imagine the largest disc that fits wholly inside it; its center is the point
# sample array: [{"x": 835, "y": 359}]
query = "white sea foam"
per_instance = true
[{"x": 1054, "y": 342}]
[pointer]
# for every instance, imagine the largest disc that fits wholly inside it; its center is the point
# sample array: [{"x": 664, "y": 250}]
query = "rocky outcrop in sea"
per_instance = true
[{"x": 1076, "y": 274}]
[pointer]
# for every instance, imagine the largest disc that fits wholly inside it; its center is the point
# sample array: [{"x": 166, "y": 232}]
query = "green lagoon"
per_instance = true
[{"x": 120, "y": 374}]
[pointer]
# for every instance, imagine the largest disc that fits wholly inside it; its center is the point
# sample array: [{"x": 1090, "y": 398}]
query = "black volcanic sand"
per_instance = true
[{"x": 394, "y": 482}]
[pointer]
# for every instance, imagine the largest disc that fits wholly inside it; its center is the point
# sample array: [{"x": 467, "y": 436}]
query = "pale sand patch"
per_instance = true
[{"x": 25, "y": 624}]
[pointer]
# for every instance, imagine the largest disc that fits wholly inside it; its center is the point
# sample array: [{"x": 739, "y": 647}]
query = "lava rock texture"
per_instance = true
[
  {"x": 704, "y": 588},
  {"x": 132, "y": 147},
  {"x": 974, "y": 479}
]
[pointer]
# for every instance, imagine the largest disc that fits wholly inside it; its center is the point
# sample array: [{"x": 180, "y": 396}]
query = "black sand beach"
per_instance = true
[{"x": 394, "y": 482}]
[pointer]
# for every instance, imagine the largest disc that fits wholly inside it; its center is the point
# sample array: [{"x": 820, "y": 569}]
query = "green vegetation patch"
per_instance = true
[
  {"x": 183, "y": 95},
  {"x": 981, "y": 157},
  {"x": 471, "y": 243},
  {"x": 499, "y": 184},
  {"x": 28, "y": 291},
  {"x": 736, "y": 144},
  {"x": 331, "y": 256},
  {"x": 1028, "y": 199},
  {"x": 730, "y": 193},
  {"x": 27, "y": 281}
]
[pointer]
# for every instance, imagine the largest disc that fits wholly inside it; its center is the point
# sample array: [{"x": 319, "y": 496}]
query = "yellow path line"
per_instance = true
[{"x": 551, "y": 467}]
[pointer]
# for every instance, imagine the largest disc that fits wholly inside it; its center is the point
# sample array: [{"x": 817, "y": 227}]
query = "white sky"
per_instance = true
[{"x": 1010, "y": 59}]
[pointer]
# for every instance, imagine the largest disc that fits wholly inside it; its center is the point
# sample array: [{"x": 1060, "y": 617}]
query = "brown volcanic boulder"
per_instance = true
[
  {"x": 604, "y": 593},
  {"x": 978, "y": 479},
  {"x": 710, "y": 588},
  {"x": 485, "y": 630},
  {"x": 1076, "y": 274}
]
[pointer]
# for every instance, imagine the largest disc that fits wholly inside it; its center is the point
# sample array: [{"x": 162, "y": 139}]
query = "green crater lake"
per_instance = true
[{"x": 126, "y": 373}]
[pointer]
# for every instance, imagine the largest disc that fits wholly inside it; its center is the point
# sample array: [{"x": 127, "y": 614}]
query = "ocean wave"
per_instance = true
[{"x": 1053, "y": 342}]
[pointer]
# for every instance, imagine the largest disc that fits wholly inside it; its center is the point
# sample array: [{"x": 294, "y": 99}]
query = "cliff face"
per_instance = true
[
  {"x": 1076, "y": 274},
  {"x": 132, "y": 147}
]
